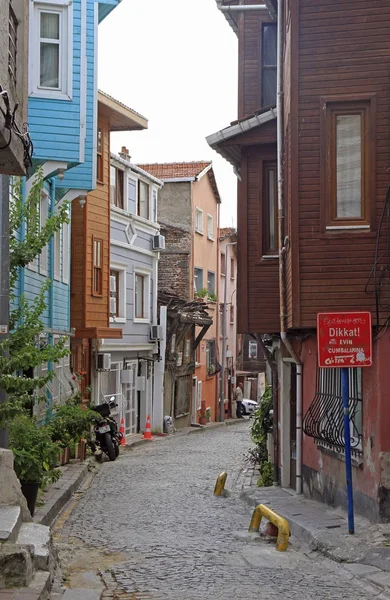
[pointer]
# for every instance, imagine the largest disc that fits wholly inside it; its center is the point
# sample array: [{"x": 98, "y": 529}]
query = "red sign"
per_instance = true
[{"x": 344, "y": 339}]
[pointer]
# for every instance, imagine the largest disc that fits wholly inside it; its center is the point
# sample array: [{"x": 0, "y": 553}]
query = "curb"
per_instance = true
[{"x": 46, "y": 514}]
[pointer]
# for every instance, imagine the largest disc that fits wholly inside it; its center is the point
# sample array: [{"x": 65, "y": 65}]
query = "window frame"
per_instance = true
[
  {"x": 65, "y": 88},
  {"x": 146, "y": 275},
  {"x": 211, "y": 357},
  {"x": 97, "y": 268},
  {"x": 57, "y": 255},
  {"x": 121, "y": 298},
  {"x": 195, "y": 277},
  {"x": 210, "y": 231},
  {"x": 65, "y": 252},
  {"x": 232, "y": 269},
  {"x": 199, "y": 213},
  {"x": 232, "y": 311},
  {"x": 331, "y": 106},
  {"x": 119, "y": 185},
  {"x": 269, "y": 166},
  {"x": 223, "y": 264},
  {"x": 208, "y": 282},
  {"x": 142, "y": 183},
  {"x": 266, "y": 67},
  {"x": 43, "y": 216},
  {"x": 99, "y": 156}
]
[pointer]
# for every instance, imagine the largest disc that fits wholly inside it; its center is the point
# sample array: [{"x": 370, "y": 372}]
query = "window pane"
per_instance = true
[
  {"x": 139, "y": 296},
  {"x": 223, "y": 263},
  {"x": 112, "y": 185},
  {"x": 271, "y": 208},
  {"x": 143, "y": 207},
  {"x": 269, "y": 45},
  {"x": 211, "y": 282},
  {"x": 198, "y": 279},
  {"x": 120, "y": 184},
  {"x": 349, "y": 166},
  {"x": 50, "y": 26},
  {"x": 269, "y": 87},
  {"x": 99, "y": 140},
  {"x": 49, "y": 58}
]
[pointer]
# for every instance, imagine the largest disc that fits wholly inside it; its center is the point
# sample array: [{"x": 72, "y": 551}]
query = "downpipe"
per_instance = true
[{"x": 282, "y": 252}]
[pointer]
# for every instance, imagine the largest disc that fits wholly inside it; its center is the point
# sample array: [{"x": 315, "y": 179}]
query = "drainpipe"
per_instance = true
[
  {"x": 282, "y": 290},
  {"x": 241, "y": 7},
  {"x": 51, "y": 277}
]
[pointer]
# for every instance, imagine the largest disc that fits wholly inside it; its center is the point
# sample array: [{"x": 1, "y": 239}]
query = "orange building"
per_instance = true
[
  {"x": 90, "y": 243},
  {"x": 189, "y": 206}
]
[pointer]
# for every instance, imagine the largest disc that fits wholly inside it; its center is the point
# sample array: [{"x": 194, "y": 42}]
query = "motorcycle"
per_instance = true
[{"x": 108, "y": 438}]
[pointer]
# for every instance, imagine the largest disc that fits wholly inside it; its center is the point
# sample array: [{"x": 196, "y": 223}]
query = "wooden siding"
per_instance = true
[
  {"x": 344, "y": 49},
  {"x": 258, "y": 278},
  {"x": 92, "y": 220}
]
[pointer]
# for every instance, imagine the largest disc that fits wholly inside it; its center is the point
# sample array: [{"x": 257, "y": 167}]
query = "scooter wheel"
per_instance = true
[{"x": 109, "y": 445}]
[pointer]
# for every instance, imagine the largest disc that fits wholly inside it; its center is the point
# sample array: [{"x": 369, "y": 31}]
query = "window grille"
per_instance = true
[
  {"x": 12, "y": 43},
  {"x": 324, "y": 419}
]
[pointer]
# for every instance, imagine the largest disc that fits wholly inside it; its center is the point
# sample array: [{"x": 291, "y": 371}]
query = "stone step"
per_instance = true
[
  {"x": 39, "y": 589},
  {"x": 38, "y": 539},
  {"x": 16, "y": 566},
  {"x": 10, "y": 522}
]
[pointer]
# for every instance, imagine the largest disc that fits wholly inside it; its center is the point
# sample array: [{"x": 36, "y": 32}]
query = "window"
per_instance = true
[
  {"x": 232, "y": 269},
  {"x": 116, "y": 187},
  {"x": 210, "y": 227},
  {"x": 198, "y": 279},
  {"x": 232, "y": 314},
  {"x": 324, "y": 419},
  {"x": 143, "y": 199},
  {"x": 51, "y": 51},
  {"x": 269, "y": 64},
  {"x": 199, "y": 220},
  {"x": 65, "y": 253},
  {"x": 183, "y": 391},
  {"x": 211, "y": 282},
  {"x": 43, "y": 212},
  {"x": 347, "y": 131},
  {"x": 252, "y": 350},
  {"x": 211, "y": 357},
  {"x": 97, "y": 278},
  {"x": 223, "y": 263},
  {"x": 12, "y": 43},
  {"x": 114, "y": 293},
  {"x": 270, "y": 209},
  {"x": 199, "y": 396},
  {"x": 99, "y": 155},
  {"x": 57, "y": 255},
  {"x": 141, "y": 296},
  {"x": 154, "y": 205},
  {"x": 118, "y": 294}
]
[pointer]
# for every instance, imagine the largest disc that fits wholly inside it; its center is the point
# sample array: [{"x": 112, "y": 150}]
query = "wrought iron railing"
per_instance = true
[{"x": 324, "y": 420}]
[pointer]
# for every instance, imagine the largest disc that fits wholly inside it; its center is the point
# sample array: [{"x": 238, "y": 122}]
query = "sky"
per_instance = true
[{"x": 175, "y": 62}]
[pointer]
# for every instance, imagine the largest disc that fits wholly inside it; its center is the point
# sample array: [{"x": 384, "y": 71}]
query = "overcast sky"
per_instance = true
[{"x": 175, "y": 62}]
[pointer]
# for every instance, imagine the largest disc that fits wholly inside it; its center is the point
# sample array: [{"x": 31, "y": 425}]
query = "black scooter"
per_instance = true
[{"x": 108, "y": 438}]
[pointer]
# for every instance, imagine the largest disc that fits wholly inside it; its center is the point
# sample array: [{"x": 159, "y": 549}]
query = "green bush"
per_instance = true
[
  {"x": 35, "y": 453},
  {"x": 266, "y": 478},
  {"x": 70, "y": 423},
  {"x": 261, "y": 426}
]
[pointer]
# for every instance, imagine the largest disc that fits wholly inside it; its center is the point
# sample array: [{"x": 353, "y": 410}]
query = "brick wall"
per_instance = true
[{"x": 174, "y": 265}]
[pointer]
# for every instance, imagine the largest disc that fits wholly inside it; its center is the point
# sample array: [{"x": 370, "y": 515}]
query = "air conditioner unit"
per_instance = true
[
  {"x": 112, "y": 283},
  {"x": 103, "y": 361},
  {"x": 113, "y": 306},
  {"x": 158, "y": 242},
  {"x": 156, "y": 333}
]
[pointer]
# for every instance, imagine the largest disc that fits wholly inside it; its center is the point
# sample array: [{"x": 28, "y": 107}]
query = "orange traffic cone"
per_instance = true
[
  {"x": 122, "y": 431},
  {"x": 148, "y": 430}
]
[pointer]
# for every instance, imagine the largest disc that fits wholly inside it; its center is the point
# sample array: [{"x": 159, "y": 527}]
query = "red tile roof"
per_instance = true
[
  {"x": 227, "y": 232},
  {"x": 176, "y": 170}
]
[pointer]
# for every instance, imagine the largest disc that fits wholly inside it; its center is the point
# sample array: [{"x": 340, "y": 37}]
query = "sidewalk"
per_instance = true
[{"x": 365, "y": 554}]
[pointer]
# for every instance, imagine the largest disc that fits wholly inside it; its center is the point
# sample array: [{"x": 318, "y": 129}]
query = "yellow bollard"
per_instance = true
[
  {"x": 281, "y": 523},
  {"x": 220, "y": 485}
]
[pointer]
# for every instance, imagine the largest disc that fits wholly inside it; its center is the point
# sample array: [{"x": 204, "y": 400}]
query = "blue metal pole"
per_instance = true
[{"x": 347, "y": 440}]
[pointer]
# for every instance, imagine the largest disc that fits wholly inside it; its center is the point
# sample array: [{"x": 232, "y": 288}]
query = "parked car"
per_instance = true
[{"x": 248, "y": 406}]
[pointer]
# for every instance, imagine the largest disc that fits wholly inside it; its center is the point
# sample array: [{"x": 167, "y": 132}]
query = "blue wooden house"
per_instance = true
[{"x": 62, "y": 116}]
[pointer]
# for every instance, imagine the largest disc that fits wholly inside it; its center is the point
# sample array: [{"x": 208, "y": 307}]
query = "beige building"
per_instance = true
[
  {"x": 188, "y": 214},
  {"x": 228, "y": 281}
]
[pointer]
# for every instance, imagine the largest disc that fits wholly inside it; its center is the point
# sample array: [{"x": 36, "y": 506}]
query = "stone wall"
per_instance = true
[{"x": 174, "y": 271}]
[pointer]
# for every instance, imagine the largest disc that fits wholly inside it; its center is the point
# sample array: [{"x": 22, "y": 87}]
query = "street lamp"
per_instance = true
[{"x": 222, "y": 390}]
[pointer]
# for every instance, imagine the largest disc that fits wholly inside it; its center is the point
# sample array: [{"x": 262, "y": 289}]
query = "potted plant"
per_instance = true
[
  {"x": 35, "y": 456},
  {"x": 70, "y": 426},
  {"x": 201, "y": 294},
  {"x": 212, "y": 297}
]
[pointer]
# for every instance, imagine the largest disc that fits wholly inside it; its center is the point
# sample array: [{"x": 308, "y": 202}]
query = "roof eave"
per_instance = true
[{"x": 123, "y": 118}]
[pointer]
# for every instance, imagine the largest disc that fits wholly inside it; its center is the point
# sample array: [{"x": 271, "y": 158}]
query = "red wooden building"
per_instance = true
[{"x": 311, "y": 149}]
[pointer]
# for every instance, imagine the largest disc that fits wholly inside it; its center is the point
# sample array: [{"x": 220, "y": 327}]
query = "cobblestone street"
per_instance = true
[{"x": 151, "y": 524}]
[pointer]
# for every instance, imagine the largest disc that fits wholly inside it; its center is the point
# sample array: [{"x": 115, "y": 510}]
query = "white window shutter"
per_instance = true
[
  {"x": 43, "y": 212},
  {"x": 65, "y": 253}
]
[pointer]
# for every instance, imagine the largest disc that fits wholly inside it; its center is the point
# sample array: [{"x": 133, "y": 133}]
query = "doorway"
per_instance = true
[
  {"x": 293, "y": 429},
  {"x": 129, "y": 398}
]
